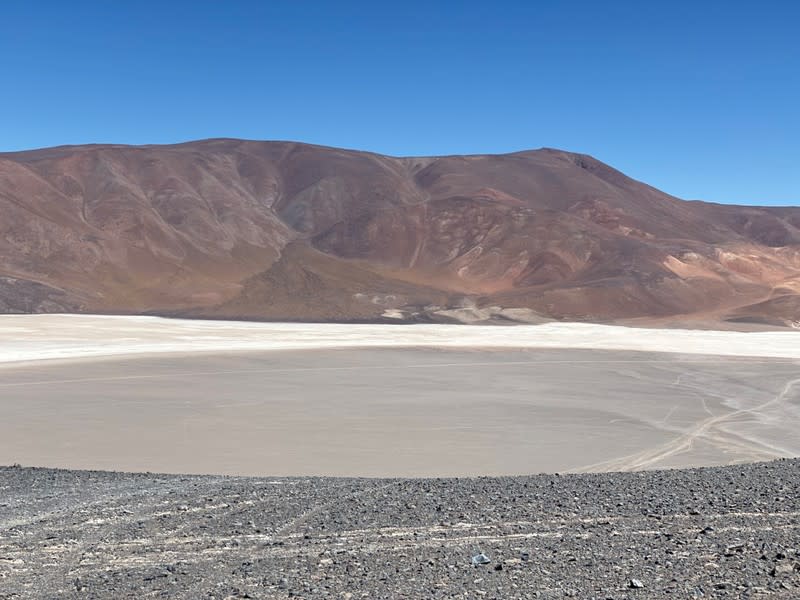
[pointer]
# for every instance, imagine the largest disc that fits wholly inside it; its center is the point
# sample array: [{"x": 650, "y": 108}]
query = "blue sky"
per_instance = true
[{"x": 700, "y": 99}]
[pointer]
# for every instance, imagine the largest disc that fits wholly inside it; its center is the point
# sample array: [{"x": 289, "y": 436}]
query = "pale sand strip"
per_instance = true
[{"x": 40, "y": 337}]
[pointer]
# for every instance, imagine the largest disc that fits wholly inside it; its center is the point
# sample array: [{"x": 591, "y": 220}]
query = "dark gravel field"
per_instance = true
[{"x": 728, "y": 532}]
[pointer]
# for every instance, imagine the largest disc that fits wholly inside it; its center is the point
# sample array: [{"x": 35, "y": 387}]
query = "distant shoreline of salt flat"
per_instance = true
[{"x": 25, "y": 338}]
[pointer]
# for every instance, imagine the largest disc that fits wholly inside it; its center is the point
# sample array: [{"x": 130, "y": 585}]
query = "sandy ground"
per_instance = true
[{"x": 399, "y": 412}]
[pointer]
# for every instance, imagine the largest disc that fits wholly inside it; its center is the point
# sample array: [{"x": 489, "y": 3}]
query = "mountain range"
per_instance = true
[{"x": 227, "y": 228}]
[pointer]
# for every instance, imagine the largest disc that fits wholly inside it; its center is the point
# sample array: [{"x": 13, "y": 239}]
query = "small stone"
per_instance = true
[
  {"x": 734, "y": 548},
  {"x": 781, "y": 569},
  {"x": 480, "y": 559},
  {"x": 635, "y": 583}
]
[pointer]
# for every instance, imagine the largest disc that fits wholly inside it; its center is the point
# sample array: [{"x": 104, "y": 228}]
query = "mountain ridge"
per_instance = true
[{"x": 285, "y": 230}]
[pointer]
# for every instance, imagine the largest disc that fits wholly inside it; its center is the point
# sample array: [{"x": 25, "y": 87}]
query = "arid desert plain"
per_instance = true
[{"x": 263, "y": 399}]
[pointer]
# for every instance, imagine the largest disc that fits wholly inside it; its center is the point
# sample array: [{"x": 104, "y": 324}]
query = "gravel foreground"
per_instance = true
[{"x": 727, "y": 532}]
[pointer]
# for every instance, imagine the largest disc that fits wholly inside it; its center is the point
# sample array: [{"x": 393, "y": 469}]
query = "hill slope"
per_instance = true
[{"x": 282, "y": 230}]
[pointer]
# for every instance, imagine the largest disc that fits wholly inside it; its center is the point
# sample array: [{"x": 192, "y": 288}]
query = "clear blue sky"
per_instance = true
[{"x": 699, "y": 98}]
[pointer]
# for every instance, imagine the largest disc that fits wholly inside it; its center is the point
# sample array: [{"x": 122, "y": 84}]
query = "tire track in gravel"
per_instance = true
[{"x": 399, "y": 539}]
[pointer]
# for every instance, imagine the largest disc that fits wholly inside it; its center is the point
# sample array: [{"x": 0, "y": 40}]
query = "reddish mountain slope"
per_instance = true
[{"x": 283, "y": 230}]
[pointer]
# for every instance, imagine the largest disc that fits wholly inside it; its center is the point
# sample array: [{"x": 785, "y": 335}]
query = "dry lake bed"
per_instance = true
[{"x": 146, "y": 394}]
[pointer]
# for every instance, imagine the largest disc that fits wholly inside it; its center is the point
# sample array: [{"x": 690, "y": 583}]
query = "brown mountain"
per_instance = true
[{"x": 280, "y": 230}]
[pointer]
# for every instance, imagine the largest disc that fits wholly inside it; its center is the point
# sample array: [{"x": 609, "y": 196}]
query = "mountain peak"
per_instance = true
[{"x": 280, "y": 229}]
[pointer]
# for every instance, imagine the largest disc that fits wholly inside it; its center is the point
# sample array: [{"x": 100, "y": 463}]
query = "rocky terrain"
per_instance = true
[
  {"x": 727, "y": 532},
  {"x": 287, "y": 231}
]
